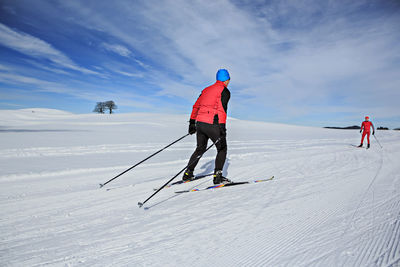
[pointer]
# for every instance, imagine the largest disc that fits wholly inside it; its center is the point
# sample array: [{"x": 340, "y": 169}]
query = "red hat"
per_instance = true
[{"x": 366, "y": 117}]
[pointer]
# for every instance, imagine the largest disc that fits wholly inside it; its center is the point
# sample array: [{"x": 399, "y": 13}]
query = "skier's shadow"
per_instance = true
[{"x": 207, "y": 168}]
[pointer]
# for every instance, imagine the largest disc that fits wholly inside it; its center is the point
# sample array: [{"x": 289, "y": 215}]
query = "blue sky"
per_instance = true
[{"x": 313, "y": 63}]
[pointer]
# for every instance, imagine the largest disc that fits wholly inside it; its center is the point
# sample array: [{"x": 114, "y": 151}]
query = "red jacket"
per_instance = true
[
  {"x": 366, "y": 125},
  {"x": 212, "y": 104}
]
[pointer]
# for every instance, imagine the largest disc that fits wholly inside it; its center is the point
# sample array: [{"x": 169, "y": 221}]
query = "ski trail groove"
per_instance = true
[{"x": 360, "y": 203}]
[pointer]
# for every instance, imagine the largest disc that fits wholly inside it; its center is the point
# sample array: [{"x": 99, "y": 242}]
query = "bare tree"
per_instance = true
[
  {"x": 100, "y": 107},
  {"x": 111, "y": 106}
]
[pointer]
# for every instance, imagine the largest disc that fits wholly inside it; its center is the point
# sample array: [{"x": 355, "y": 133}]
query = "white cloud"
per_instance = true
[
  {"x": 4, "y": 68},
  {"x": 118, "y": 49},
  {"x": 35, "y": 47},
  {"x": 11, "y": 78},
  {"x": 11, "y": 105},
  {"x": 129, "y": 74}
]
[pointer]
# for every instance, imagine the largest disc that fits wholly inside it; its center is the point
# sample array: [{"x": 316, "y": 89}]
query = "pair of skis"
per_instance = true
[
  {"x": 360, "y": 146},
  {"x": 215, "y": 186},
  {"x": 203, "y": 189}
]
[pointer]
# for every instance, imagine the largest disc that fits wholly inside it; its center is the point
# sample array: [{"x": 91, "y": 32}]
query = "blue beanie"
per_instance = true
[{"x": 223, "y": 75}]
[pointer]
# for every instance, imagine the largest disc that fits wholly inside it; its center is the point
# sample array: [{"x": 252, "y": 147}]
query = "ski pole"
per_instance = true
[
  {"x": 101, "y": 185},
  {"x": 377, "y": 141},
  {"x": 187, "y": 166}
]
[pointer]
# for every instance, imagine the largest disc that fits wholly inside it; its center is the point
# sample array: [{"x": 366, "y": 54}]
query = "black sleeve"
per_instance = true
[{"x": 225, "y": 96}]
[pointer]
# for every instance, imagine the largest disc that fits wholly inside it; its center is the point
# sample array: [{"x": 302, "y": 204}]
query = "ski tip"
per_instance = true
[
  {"x": 101, "y": 185},
  {"x": 140, "y": 204}
]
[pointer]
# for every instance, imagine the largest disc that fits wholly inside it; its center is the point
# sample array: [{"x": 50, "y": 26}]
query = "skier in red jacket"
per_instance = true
[
  {"x": 208, "y": 119},
  {"x": 366, "y": 126}
]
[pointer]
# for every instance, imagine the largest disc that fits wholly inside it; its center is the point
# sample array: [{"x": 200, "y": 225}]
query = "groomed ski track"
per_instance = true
[{"x": 329, "y": 204}]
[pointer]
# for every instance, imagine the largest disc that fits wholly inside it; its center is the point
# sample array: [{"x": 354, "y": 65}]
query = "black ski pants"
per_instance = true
[{"x": 204, "y": 132}]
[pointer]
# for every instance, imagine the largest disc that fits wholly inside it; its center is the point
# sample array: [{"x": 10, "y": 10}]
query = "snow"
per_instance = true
[{"x": 330, "y": 204}]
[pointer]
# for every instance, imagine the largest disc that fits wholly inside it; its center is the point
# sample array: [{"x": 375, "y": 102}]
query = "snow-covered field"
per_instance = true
[{"x": 330, "y": 204}]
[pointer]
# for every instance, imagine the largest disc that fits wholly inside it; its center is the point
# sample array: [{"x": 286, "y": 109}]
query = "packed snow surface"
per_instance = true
[{"x": 330, "y": 204}]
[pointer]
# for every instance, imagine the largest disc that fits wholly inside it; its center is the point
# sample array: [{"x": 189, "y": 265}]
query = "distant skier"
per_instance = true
[
  {"x": 366, "y": 126},
  {"x": 208, "y": 119}
]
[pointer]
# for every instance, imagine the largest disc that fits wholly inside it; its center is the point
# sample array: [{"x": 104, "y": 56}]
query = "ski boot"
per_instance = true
[
  {"x": 367, "y": 146},
  {"x": 219, "y": 179},
  {"x": 360, "y": 145},
  {"x": 188, "y": 175}
]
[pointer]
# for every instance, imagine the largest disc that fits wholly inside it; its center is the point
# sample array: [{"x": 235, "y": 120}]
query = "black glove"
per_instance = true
[
  {"x": 222, "y": 129},
  {"x": 373, "y": 133},
  {"x": 360, "y": 131},
  {"x": 192, "y": 126}
]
